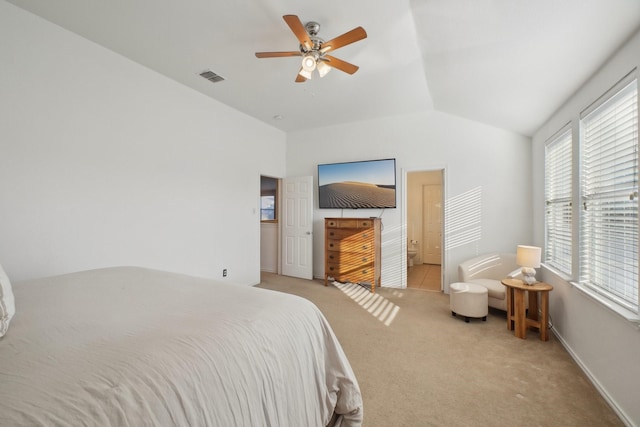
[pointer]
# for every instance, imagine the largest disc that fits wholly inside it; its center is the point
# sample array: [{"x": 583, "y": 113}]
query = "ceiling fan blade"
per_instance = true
[
  {"x": 349, "y": 37},
  {"x": 340, "y": 64},
  {"x": 300, "y": 79},
  {"x": 298, "y": 29},
  {"x": 277, "y": 54}
]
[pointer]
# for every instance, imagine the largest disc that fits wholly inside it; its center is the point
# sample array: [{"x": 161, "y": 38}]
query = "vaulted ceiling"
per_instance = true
[{"x": 506, "y": 63}]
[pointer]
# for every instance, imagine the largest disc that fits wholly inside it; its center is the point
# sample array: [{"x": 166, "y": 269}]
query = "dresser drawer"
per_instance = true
[
  {"x": 349, "y": 223},
  {"x": 350, "y": 258},
  {"x": 351, "y": 272},
  {"x": 350, "y": 246},
  {"x": 349, "y": 234}
]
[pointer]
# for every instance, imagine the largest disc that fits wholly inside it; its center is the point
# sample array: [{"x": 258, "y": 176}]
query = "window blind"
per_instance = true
[
  {"x": 558, "y": 191},
  {"x": 609, "y": 226}
]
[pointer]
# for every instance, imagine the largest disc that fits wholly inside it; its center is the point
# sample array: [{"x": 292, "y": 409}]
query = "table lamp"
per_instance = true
[{"x": 528, "y": 257}]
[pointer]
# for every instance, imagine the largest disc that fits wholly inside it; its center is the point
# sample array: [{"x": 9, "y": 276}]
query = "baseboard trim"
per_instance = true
[{"x": 603, "y": 392}]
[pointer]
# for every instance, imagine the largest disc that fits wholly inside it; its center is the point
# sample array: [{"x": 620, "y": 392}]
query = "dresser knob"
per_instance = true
[{"x": 331, "y": 234}]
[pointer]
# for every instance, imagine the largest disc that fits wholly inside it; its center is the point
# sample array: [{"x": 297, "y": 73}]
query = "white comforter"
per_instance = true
[{"x": 136, "y": 347}]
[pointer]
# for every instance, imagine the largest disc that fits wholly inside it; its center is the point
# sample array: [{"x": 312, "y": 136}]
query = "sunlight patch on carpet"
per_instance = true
[{"x": 378, "y": 306}]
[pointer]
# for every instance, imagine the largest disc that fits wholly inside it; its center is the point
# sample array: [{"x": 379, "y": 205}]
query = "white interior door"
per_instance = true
[
  {"x": 297, "y": 227},
  {"x": 432, "y": 224}
]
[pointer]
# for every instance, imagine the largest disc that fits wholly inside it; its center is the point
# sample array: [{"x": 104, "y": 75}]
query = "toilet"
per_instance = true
[{"x": 412, "y": 251}]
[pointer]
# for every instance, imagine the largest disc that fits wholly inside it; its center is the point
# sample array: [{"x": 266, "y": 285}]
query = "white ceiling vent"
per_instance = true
[{"x": 211, "y": 76}]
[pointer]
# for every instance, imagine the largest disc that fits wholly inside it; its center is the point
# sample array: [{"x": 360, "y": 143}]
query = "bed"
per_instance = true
[{"x": 130, "y": 346}]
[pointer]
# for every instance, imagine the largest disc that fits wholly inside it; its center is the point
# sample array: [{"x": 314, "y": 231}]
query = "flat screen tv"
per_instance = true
[{"x": 368, "y": 184}]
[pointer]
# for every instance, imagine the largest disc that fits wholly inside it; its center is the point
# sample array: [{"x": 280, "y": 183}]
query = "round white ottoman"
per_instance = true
[{"x": 469, "y": 300}]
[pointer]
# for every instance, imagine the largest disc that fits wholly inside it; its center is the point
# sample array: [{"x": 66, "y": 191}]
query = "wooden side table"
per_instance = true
[{"x": 517, "y": 317}]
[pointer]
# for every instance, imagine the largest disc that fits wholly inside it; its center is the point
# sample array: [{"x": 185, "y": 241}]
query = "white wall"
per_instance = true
[
  {"x": 479, "y": 160},
  {"x": 104, "y": 162},
  {"x": 602, "y": 342}
]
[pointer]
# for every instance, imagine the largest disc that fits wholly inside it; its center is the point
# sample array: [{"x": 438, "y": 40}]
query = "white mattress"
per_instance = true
[{"x": 136, "y": 347}]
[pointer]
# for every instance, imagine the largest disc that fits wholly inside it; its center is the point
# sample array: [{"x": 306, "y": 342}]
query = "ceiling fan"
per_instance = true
[{"x": 314, "y": 50}]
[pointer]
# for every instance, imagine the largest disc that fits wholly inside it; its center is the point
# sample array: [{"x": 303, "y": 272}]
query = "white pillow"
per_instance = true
[{"x": 7, "y": 302}]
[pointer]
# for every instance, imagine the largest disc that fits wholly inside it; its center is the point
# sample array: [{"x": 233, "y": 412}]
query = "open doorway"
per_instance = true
[
  {"x": 425, "y": 215},
  {"x": 286, "y": 226},
  {"x": 269, "y": 228}
]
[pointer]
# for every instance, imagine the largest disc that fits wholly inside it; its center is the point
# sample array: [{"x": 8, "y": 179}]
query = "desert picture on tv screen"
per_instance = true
[{"x": 358, "y": 185}]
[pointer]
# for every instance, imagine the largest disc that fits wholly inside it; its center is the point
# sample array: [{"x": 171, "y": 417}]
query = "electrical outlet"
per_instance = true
[{"x": 224, "y": 273}]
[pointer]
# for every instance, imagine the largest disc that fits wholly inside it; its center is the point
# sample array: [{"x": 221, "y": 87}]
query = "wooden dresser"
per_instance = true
[{"x": 352, "y": 251}]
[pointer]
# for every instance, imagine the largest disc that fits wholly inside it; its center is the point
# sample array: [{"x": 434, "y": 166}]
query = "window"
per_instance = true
[
  {"x": 558, "y": 193},
  {"x": 609, "y": 196},
  {"x": 267, "y": 208}
]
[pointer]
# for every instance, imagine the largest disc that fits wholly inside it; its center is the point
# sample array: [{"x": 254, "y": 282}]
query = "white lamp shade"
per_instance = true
[
  {"x": 323, "y": 68},
  {"x": 528, "y": 256},
  {"x": 309, "y": 62},
  {"x": 306, "y": 74}
]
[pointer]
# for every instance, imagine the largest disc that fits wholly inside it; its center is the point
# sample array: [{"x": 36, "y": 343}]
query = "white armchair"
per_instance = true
[{"x": 488, "y": 270}]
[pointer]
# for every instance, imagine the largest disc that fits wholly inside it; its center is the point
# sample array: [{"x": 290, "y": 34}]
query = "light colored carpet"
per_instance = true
[{"x": 419, "y": 366}]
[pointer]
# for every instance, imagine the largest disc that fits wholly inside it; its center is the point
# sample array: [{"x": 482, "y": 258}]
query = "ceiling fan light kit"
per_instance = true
[
  {"x": 309, "y": 61},
  {"x": 314, "y": 50},
  {"x": 306, "y": 74},
  {"x": 322, "y": 68}
]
